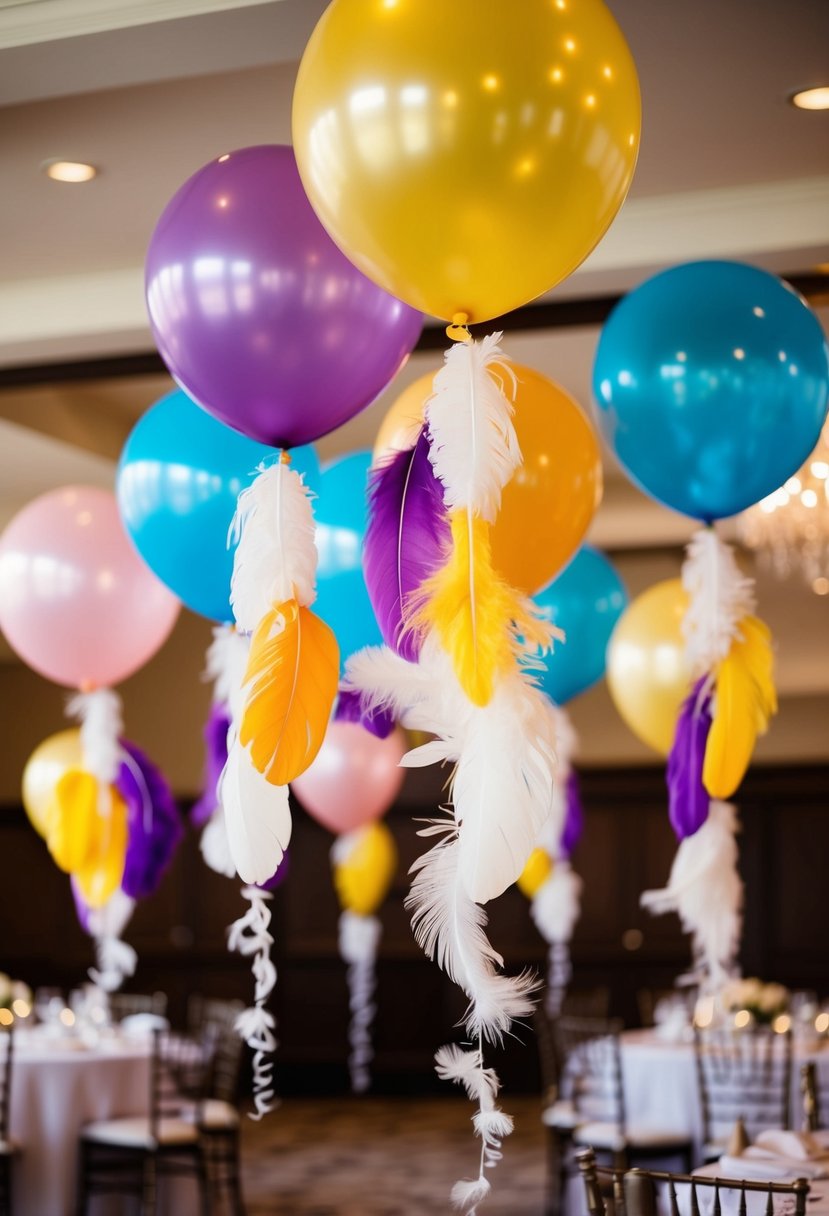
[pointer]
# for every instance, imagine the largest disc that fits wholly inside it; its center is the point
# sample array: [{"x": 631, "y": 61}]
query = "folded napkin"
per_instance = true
[
  {"x": 758, "y": 1167},
  {"x": 139, "y": 1024},
  {"x": 800, "y": 1146}
]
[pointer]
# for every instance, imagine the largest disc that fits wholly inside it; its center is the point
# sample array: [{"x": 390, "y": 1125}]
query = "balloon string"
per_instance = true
[{"x": 458, "y": 331}]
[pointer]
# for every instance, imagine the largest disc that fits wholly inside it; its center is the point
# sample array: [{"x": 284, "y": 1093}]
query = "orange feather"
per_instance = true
[{"x": 291, "y": 683}]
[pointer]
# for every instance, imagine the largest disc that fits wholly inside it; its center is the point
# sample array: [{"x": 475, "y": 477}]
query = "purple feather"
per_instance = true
[
  {"x": 406, "y": 541},
  {"x": 215, "y": 745},
  {"x": 154, "y": 826},
  {"x": 574, "y": 815},
  {"x": 376, "y": 721},
  {"x": 688, "y": 799}
]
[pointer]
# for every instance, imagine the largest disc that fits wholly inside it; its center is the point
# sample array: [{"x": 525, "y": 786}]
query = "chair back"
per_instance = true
[
  {"x": 743, "y": 1075},
  {"x": 811, "y": 1097},
  {"x": 592, "y": 1068},
  {"x": 635, "y": 1191},
  {"x": 125, "y": 1004},
  {"x": 6, "y": 1059},
  {"x": 179, "y": 1074},
  {"x": 213, "y": 1023}
]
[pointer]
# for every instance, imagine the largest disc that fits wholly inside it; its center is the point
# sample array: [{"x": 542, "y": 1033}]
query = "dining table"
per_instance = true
[{"x": 60, "y": 1081}]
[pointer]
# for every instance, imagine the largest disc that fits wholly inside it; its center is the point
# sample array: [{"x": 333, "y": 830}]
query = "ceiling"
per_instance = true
[{"x": 149, "y": 90}]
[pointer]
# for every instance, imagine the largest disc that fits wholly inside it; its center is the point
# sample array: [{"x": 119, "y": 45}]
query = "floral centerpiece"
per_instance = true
[
  {"x": 13, "y": 991},
  {"x": 764, "y": 1002}
]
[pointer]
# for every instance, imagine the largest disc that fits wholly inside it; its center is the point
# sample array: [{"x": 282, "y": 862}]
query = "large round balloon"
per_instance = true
[
  {"x": 76, "y": 601},
  {"x": 712, "y": 383},
  {"x": 179, "y": 476},
  {"x": 50, "y": 760},
  {"x": 341, "y": 514},
  {"x": 256, "y": 312},
  {"x": 547, "y": 506},
  {"x": 647, "y": 671},
  {"x": 585, "y": 601},
  {"x": 354, "y": 778},
  {"x": 467, "y": 161},
  {"x": 364, "y": 865}
]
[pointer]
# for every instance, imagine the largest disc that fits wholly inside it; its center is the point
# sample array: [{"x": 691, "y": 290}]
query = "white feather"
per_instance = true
[
  {"x": 474, "y": 447},
  {"x": 275, "y": 558},
  {"x": 465, "y": 1067},
  {"x": 450, "y": 928},
  {"x": 257, "y": 817},
  {"x": 720, "y": 595},
  {"x": 492, "y": 1126},
  {"x": 556, "y": 904},
  {"x": 215, "y": 846},
  {"x": 358, "y": 937},
  {"x": 467, "y": 1195},
  {"x": 99, "y": 714},
  {"x": 503, "y": 786},
  {"x": 225, "y": 665},
  {"x": 706, "y": 890}
]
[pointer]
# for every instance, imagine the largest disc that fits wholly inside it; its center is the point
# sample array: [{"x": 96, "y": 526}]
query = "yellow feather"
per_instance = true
[
  {"x": 478, "y": 617},
  {"x": 291, "y": 682},
  {"x": 745, "y": 699},
  {"x": 71, "y": 819},
  {"x": 100, "y": 876}
]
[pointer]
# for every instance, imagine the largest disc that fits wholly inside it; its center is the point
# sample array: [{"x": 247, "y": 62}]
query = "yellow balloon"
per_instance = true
[
  {"x": 71, "y": 819},
  {"x": 547, "y": 507},
  {"x": 466, "y": 159},
  {"x": 100, "y": 876},
  {"x": 44, "y": 768},
  {"x": 363, "y": 876},
  {"x": 538, "y": 869},
  {"x": 647, "y": 671}
]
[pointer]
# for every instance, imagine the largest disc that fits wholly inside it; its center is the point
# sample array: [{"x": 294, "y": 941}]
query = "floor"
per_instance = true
[{"x": 385, "y": 1157}]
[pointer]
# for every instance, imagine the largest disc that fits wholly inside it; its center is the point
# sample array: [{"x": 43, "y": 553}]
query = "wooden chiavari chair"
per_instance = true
[{"x": 741, "y": 1075}]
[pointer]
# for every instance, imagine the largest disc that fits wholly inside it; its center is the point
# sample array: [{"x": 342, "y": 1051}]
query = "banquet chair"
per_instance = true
[
  {"x": 205, "y": 1012},
  {"x": 127, "y": 1004},
  {"x": 128, "y": 1156},
  {"x": 8, "y": 1150},
  {"x": 633, "y": 1192},
  {"x": 590, "y": 1111},
  {"x": 217, "y": 1116},
  {"x": 741, "y": 1075},
  {"x": 811, "y": 1097}
]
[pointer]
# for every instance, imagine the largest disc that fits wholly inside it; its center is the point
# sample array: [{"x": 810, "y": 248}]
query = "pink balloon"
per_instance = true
[
  {"x": 354, "y": 779},
  {"x": 76, "y": 601}
]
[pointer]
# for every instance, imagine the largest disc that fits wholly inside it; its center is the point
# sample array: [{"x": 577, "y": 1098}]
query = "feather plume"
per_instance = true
[
  {"x": 688, "y": 799},
  {"x": 474, "y": 446},
  {"x": 215, "y": 752},
  {"x": 275, "y": 559},
  {"x": 257, "y": 817},
  {"x": 250, "y": 936},
  {"x": 466, "y": 1195},
  {"x": 744, "y": 700},
  {"x": 719, "y": 597},
  {"x": 115, "y": 959},
  {"x": 291, "y": 683},
  {"x": 483, "y": 624},
  {"x": 422, "y": 696},
  {"x": 503, "y": 786},
  {"x": 450, "y": 928},
  {"x": 99, "y": 713},
  {"x": 378, "y": 722},
  {"x": 406, "y": 541},
  {"x": 466, "y": 1068},
  {"x": 557, "y": 903},
  {"x": 154, "y": 828},
  {"x": 359, "y": 938},
  {"x": 215, "y": 846},
  {"x": 225, "y": 664},
  {"x": 706, "y": 890}
]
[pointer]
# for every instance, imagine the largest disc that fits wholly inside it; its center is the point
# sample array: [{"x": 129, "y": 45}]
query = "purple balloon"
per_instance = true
[
  {"x": 257, "y": 313},
  {"x": 279, "y": 875}
]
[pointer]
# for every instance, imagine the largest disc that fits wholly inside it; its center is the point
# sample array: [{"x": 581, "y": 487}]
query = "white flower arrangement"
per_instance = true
[{"x": 764, "y": 1002}]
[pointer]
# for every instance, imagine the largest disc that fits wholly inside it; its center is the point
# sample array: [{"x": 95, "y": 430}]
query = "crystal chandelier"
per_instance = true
[{"x": 790, "y": 528}]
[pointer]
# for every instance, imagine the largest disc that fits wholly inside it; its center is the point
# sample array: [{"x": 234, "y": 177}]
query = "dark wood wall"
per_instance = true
[{"x": 628, "y": 847}]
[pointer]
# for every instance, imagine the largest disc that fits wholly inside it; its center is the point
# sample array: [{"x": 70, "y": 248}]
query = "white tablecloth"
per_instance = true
[{"x": 661, "y": 1088}]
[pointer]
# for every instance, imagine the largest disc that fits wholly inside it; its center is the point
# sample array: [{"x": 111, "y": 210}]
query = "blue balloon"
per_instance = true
[
  {"x": 585, "y": 601},
  {"x": 341, "y": 512},
  {"x": 711, "y": 381},
  {"x": 178, "y": 479}
]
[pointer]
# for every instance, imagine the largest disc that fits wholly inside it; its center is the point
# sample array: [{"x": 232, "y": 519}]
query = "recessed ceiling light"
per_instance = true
[
  {"x": 69, "y": 170},
  {"x": 816, "y": 98}
]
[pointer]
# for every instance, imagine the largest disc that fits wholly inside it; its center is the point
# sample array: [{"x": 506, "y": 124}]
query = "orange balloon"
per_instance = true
[{"x": 547, "y": 507}]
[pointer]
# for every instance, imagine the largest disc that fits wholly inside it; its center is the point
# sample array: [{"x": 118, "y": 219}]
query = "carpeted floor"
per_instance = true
[{"x": 385, "y": 1157}]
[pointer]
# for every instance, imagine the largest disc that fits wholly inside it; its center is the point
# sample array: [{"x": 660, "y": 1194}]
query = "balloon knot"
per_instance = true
[
  {"x": 284, "y": 457},
  {"x": 458, "y": 331}
]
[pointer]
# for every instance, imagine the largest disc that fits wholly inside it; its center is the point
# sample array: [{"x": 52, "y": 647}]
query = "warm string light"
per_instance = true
[{"x": 790, "y": 528}]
